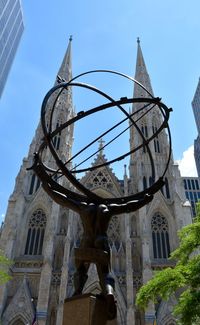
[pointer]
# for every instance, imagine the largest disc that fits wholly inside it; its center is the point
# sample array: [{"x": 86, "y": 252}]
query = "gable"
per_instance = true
[
  {"x": 102, "y": 178},
  {"x": 20, "y": 305}
]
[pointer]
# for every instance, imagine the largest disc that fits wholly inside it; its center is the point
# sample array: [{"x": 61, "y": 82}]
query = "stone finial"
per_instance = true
[
  {"x": 101, "y": 146},
  {"x": 125, "y": 173}
]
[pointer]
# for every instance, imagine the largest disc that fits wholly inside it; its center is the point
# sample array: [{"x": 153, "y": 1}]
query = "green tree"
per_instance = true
[
  {"x": 4, "y": 267},
  {"x": 182, "y": 280}
]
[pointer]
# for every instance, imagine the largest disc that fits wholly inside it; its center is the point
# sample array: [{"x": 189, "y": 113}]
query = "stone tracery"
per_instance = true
[{"x": 35, "y": 235}]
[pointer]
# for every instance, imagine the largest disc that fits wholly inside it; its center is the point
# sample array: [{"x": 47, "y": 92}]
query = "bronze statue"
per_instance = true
[
  {"x": 95, "y": 211},
  {"x": 95, "y": 219}
]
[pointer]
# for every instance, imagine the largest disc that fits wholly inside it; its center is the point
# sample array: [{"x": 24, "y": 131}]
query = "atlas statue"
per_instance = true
[{"x": 94, "y": 210}]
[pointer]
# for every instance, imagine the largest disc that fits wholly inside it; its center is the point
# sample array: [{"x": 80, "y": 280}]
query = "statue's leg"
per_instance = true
[
  {"x": 103, "y": 269},
  {"x": 107, "y": 285},
  {"x": 106, "y": 280},
  {"x": 80, "y": 276}
]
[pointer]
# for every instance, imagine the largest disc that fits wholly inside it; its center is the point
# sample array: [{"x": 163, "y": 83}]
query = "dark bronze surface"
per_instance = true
[{"x": 95, "y": 211}]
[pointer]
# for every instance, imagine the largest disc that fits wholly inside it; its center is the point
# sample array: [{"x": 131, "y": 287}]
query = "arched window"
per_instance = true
[
  {"x": 34, "y": 185},
  {"x": 156, "y": 140},
  {"x": 35, "y": 235},
  {"x": 160, "y": 236},
  {"x": 144, "y": 130},
  {"x": 56, "y": 139},
  {"x": 167, "y": 188},
  {"x": 144, "y": 183},
  {"x": 150, "y": 181}
]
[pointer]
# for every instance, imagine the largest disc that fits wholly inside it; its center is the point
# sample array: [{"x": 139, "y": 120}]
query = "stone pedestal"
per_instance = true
[{"x": 85, "y": 310}]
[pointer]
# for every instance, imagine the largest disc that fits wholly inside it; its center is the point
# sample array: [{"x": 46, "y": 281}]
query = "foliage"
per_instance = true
[
  {"x": 4, "y": 265},
  {"x": 182, "y": 280}
]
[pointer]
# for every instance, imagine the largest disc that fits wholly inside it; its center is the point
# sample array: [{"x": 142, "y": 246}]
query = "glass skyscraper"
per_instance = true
[
  {"x": 11, "y": 28},
  {"x": 192, "y": 191}
]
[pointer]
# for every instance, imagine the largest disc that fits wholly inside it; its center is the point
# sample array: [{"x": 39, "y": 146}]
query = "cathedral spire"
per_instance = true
[
  {"x": 141, "y": 74},
  {"x": 65, "y": 71}
]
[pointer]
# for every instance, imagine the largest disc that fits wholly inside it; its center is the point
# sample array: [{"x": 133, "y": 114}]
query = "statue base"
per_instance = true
[{"x": 85, "y": 309}]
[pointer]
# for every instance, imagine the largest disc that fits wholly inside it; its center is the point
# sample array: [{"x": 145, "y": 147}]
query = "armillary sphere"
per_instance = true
[{"x": 145, "y": 105}]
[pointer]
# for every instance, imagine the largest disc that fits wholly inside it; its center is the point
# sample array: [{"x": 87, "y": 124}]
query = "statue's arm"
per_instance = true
[
  {"x": 130, "y": 206},
  {"x": 53, "y": 189},
  {"x": 61, "y": 198}
]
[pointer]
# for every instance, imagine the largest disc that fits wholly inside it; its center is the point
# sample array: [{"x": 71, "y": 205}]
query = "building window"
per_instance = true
[
  {"x": 193, "y": 186},
  {"x": 185, "y": 184},
  {"x": 160, "y": 236},
  {"x": 144, "y": 130},
  {"x": 197, "y": 184},
  {"x": 35, "y": 234},
  {"x": 144, "y": 183},
  {"x": 189, "y": 184},
  {"x": 167, "y": 188},
  {"x": 56, "y": 139},
  {"x": 150, "y": 181},
  {"x": 156, "y": 140},
  {"x": 34, "y": 185}
]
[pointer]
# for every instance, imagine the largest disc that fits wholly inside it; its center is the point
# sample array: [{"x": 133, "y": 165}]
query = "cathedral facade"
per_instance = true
[{"x": 39, "y": 236}]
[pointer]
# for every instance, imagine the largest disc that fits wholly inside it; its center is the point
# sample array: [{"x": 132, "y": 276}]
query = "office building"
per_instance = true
[
  {"x": 192, "y": 191},
  {"x": 11, "y": 29}
]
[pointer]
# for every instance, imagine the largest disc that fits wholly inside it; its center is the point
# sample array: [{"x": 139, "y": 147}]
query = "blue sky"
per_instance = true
[{"x": 104, "y": 36}]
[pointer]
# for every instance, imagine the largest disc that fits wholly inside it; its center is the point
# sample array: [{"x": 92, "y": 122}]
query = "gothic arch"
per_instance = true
[
  {"x": 18, "y": 321},
  {"x": 122, "y": 259},
  {"x": 164, "y": 312},
  {"x": 156, "y": 140},
  {"x": 144, "y": 182},
  {"x": 34, "y": 183},
  {"x": 160, "y": 236},
  {"x": 121, "y": 304},
  {"x": 35, "y": 233},
  {"x": 137, "y": 260},
  {"x": 113, "y": 231},
  {"x": 159, "y": 206},
  {"x": 145, "y": 131},
  {"x": 167, "y": 189},
  {"x": 57, "y": 138},
  {"x": 63, "y": 224},
  {"x": 133, "y": 226},
  {"x": 94, "y": 287}
]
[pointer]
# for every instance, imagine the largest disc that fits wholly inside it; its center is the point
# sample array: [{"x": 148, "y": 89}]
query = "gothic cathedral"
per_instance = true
[{"x": 39, "y": 236}]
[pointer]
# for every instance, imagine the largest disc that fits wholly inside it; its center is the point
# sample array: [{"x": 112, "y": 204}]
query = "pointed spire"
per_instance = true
[
  {"x": 65, "y": 71},
  {"x": 141, "y": 74},
  {"x": 101, "y": 145}
]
